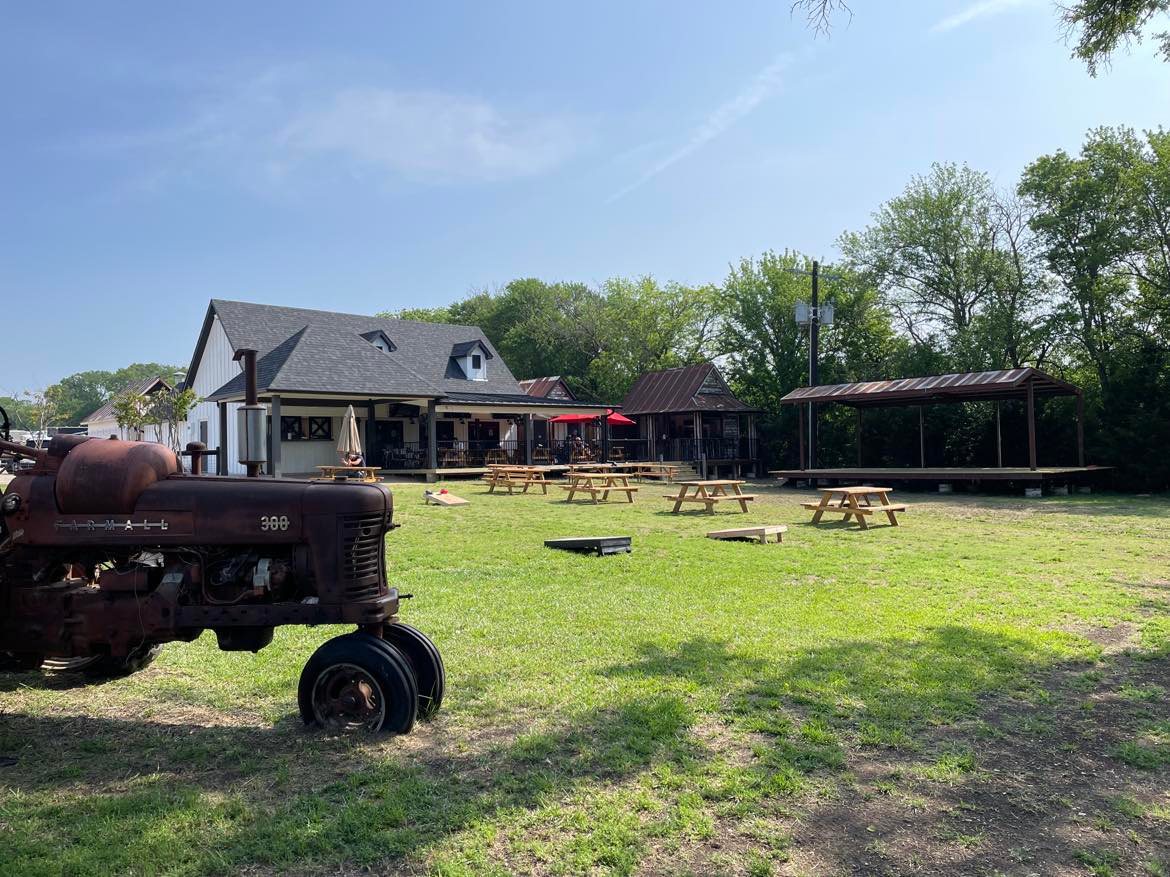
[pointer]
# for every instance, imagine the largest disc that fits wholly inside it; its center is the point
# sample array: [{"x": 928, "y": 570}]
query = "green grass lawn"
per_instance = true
[{"x": 975, "y": 691}]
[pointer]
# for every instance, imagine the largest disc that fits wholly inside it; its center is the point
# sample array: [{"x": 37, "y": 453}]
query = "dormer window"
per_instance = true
[
  {"x": 378, "y": 339},
  {"x": 471, "y": 358}
]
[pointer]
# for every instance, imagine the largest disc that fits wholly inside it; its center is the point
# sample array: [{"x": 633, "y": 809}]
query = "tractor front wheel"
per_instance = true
[
  {"x": 358, "y": 682},
  {"x": 426, "y": 662}
]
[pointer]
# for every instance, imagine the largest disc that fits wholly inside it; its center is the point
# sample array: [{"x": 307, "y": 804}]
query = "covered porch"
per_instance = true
[{"x": 404, "y": 435}]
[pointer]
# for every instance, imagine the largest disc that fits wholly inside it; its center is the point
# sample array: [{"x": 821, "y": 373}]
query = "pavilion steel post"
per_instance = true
[
  {"x": 432, "y": 436},
  {"x": 921, "y": 440},
  {"x": 800, "y": 432},
  {"x": 858, "y": 438},
  {"x": 998, "y": 437},
  {"x": 605, "y": 437},
  {"x": 528, "y": 428},
  {"x": 1031, "y": 426},
  {"x": 1081, "y": 430}
]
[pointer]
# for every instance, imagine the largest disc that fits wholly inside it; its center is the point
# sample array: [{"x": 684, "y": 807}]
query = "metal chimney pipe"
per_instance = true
[{"x": 251, "y": 416}]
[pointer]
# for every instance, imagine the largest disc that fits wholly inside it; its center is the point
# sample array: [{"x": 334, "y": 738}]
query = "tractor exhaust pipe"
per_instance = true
[{"x": 252, "y": 423}]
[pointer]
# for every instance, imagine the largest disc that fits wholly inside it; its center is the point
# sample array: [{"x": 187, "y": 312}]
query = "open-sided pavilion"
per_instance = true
[{"x": 1019, "y": 384}]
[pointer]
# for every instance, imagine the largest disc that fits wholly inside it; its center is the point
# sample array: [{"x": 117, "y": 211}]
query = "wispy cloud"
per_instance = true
[
  {"x": 982, "y": 9},
  {"x": 431, "y": 136},
  {"x": 762, "y": 86},
  {"x": 282, "y": 122}
]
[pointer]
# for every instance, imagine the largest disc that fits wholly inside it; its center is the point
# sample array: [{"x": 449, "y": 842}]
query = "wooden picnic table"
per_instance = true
[
  {"x": 855, "y": 502},
  {"x": 339, "y": 473},
  {"x": 503, "y": 475},
  {"x": 710, "y": 492},
  {"x": 595, "y": 483}
]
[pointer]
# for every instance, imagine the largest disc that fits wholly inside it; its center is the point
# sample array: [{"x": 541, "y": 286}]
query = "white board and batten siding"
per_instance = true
[{"x": 214, "y": 369}]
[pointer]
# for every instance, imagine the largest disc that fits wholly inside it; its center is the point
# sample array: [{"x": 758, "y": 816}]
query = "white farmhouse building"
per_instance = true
[{"x": 428, "y": 396}]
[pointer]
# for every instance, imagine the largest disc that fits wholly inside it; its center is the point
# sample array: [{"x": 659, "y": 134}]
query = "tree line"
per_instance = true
[{"x": 1068, "y": 271}]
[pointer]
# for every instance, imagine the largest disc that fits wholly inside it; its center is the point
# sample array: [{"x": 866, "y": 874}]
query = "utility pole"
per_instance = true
[
  {"x": 815, "y": 316},
  {"x": 813, "y": 377}
]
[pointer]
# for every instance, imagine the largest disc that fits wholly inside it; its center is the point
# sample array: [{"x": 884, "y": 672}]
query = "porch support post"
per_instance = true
[
  {"x": 1081, "y": 429},
  {"x": 274, "y": 437},
  {"x": 605, "y": 437},
  {"x": 921, "y": 440},
  {"x": 432, "y": 436},
  {"x": 528, "y": 429},
  {"x": 371, "y": 433},
  {"x": 800, "y": 432},
  {"x": 858, "y": 438},
  {"x": 1031, "y": 426},
  {"x": 998, "y": 436},
  {"x": 221, "y": 460}
]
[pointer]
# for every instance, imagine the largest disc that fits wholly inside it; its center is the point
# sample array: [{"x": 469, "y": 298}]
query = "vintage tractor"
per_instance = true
[{"x": 108, "y": 549}]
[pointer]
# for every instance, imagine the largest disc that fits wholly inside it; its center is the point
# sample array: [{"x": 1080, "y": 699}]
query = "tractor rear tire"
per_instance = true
[
  {"x": 358, "y": 681},
  {"x": 426, "y": 662}
]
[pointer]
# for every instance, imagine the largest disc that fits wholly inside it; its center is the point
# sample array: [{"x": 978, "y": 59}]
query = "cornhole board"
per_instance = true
[
  {"x": 599, "y": 545},
  {"x": 444, "y": 498},
  {"x": 756, "y": 534}
]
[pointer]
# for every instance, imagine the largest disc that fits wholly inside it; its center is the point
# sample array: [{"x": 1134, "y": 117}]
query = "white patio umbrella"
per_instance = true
[{"x": 349, "y": 442}]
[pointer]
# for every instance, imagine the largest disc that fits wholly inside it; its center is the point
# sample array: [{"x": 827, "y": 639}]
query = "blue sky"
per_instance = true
[{"x": 366, "y": 156}]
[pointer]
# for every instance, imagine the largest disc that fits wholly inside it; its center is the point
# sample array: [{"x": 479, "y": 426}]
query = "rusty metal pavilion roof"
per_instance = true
[{"x": 966, "y": 387}]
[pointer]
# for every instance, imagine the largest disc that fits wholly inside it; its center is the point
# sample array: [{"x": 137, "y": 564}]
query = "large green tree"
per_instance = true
[{"x": 956, "y": 264}]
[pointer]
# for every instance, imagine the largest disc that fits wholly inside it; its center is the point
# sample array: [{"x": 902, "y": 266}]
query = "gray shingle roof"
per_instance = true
[
  {"x": 143, "y": 388},
  {"x": 310, "y": 351}
]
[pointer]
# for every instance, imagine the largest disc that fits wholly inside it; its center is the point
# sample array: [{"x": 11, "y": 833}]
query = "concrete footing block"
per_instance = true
[
  {"x": 1084, "y": 488},
  {"x": 946, "y": 488},
  {"x": 1033, "y": 492},
  {"x": 1060, "y": 490}
]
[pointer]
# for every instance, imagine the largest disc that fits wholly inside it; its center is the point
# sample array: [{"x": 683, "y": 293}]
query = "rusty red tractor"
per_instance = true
[{"x": 108, "y": 549}]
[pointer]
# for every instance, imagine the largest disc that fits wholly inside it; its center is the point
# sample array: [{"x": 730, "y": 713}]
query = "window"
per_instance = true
[
  {"x": 300, "y": 429},
  {"x": 476, "y": 361},
  {"x": 291, "y": 429},
  {"x": 321, "y": 428},
  {"x": 203, "y": 431}
]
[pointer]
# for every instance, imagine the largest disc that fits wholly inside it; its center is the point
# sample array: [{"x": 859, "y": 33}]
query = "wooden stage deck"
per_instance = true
[{"x": 947, "y": 474}]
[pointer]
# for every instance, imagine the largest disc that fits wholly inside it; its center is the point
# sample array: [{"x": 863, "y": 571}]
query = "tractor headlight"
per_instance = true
[{"x": 10, "y": 503}]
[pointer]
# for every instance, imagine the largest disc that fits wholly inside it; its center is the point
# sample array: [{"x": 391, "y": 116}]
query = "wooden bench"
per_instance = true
[{"x": 759, "y": 534}]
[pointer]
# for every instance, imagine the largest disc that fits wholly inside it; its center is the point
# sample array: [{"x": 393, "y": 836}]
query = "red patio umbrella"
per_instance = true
[{"x": 613, "y": 418}]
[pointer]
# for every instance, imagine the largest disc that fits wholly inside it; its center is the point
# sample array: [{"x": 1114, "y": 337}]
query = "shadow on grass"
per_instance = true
[
  {"x": 111, "y": 796},
  {"x": 106, "y": 796}
]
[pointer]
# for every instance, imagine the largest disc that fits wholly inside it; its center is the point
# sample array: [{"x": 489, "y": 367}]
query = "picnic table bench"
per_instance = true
[
  {"x": 711, "y": 492},
  {"x": 342, "y": 473},
  {"x": 515, "y": 476},
  {"x": 856, "y": 502},
  {"x": 594, "y": 483}
]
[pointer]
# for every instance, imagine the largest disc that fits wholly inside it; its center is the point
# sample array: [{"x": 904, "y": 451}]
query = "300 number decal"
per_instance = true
[{"x": 272, "y": 522}]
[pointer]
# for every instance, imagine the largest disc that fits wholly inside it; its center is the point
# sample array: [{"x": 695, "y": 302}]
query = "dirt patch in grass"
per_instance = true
[{"x": 1049, "y": 785}]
